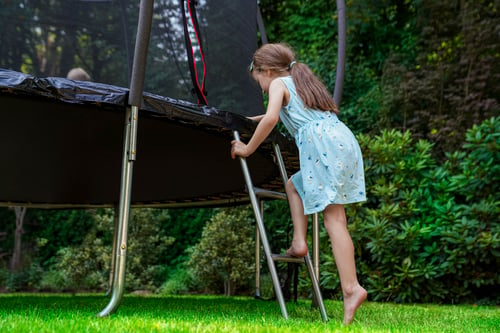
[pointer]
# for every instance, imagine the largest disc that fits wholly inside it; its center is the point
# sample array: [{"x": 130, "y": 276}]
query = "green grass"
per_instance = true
[{"x": 66, "y": 313}]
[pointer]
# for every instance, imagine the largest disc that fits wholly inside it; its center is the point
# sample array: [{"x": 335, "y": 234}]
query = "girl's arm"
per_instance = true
[
  {"x": 257, "y": 118},
  {"x": 266, "y": 124}
]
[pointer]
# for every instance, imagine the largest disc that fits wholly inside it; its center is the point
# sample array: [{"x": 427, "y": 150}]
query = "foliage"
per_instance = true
[
  {"x": 450, "y": 85},
  {"x": 57, "y": 229},
  {"x": 53, "y": 50},
  {"x": 476, "y": 170},
  {"x": 427, "y": 233},
  {"x": 85, "y": 266},
  {"x": 41, "y": 241},
  {"x": 179, "y": 282},
  {"x": 7, "y": 228},
  {"x": 375, "y": 30},
  {"x": 430, "y": 67},
  {"x": 25, "y": 279},
  {"x": 146, "y": 248},
  {"x": 185, "y": 226},
  {"x": 223, "y": 258},
  {"x": 278, "y": 223}
]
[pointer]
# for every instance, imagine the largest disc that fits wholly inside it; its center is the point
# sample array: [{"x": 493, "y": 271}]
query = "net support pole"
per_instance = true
[
  {"x": 129, "y": 153},
  {"x": 341, "y": 52}
]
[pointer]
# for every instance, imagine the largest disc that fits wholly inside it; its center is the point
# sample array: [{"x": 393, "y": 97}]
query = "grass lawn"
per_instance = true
[{"x": 77, "y": 313}]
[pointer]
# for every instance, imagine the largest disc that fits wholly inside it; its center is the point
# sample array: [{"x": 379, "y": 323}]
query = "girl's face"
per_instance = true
[{"x": 263, "y": 78}]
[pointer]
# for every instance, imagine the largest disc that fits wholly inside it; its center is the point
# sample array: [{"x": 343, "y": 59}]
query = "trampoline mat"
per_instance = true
[{"x": 62, "y": 146}]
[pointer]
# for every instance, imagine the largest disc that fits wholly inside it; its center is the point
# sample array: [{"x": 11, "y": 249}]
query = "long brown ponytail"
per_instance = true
[{"x": 280, "y": 58}]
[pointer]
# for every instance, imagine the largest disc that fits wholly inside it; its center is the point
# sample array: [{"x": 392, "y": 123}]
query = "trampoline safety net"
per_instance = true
[{"x": 217, "y": 38}]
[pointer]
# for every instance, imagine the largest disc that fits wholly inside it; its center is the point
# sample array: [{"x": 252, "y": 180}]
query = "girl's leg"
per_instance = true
[
  {"x": 299, "y": 243},
  {"x": 343, "y": 251}
]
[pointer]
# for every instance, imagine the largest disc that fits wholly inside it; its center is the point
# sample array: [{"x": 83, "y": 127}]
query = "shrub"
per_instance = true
[
  {"x": 180, "y": 282},
  {"x": 428, "y": 232},
  {"x": 224, "y": 257},
  {"x": 87, "y": 266}
]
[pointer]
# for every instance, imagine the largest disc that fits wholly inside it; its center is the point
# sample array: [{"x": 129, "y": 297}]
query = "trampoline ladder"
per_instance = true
[{"x": 255, "y": 195}]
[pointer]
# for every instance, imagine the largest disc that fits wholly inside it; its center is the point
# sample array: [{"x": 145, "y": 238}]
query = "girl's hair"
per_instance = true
[{"x": 280, "y": 58}]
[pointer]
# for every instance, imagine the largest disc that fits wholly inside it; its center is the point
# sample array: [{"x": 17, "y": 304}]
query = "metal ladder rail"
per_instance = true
[
  {"x": 263, "y": 237},
  {"x": 313, "y": 267},
  {"x": 315, "y": 235},
  {"x": 270, "y": 257},
  {"x": 315, "y": 218}
]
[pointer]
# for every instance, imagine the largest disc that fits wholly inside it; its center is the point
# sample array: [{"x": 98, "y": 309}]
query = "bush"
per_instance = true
[
  {"x": 27, "y": 278},
  {"x": 224, "y": 257},
  {"x": 54, "y": 280},
  {"x": 87, "y": 266},
  {"x": 428, "y": 233},
  {"x": 180, "y": 282}
]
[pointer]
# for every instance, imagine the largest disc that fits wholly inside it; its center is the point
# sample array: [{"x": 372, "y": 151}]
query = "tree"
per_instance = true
[
  {"x": 452, "y": 85},
  {"x": 15, "y": 262}
]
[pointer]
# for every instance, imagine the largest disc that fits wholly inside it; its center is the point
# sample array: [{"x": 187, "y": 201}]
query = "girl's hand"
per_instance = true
[{"x": 238, "y": 148}]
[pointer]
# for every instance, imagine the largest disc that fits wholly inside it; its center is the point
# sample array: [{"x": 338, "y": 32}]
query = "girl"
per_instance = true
[{"x": 331, "y": 166}]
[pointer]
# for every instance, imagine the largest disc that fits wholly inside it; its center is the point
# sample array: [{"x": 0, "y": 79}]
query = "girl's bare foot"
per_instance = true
[
  {"x": 352, "y": 301},
  {"x": 298, "y": 249}
]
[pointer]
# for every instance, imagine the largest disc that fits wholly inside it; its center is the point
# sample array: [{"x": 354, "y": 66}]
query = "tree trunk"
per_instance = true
[
  {"x": 228, "y": 287},
  {"x": 15, "y": 262}
]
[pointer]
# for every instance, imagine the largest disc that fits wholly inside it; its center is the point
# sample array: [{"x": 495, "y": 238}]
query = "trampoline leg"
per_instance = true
[
  {"x": 113, "y": 252},
  {"x": 124, "y": 211},
  {"x": 317, "y": 298},
  {"x": 257, "y": 263},
  {"x": 315, "y": 243}
]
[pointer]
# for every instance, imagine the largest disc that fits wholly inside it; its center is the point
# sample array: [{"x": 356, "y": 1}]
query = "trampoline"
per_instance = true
[
  {"x": 74, "y": 144},
  {"x": 62, "y": 143}
]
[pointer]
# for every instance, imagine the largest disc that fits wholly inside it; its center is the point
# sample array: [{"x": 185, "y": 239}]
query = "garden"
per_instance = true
[{"x": 421, "y": 96}]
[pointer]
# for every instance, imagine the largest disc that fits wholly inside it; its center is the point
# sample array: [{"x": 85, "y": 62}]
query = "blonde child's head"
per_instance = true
[{"x": 78, "y": 74}]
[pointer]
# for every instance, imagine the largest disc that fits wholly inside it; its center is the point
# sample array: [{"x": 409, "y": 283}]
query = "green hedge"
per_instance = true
[{"x": 428, "y": 232}]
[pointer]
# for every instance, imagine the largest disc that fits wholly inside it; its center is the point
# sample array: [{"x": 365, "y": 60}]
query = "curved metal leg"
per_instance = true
[
  {"x": 113, "y": 251},
  {"x": 129, "y": 151},
  {"x": 118, "y": 283}
]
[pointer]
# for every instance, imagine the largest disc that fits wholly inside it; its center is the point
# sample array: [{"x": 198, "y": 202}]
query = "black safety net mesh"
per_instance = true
[{"x": 49, "y": 37}]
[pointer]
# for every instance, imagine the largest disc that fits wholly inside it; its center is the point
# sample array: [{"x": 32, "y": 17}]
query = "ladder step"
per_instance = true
[
  {"x": 287, "y": 258},
  {"x": 260, "y": 192}
]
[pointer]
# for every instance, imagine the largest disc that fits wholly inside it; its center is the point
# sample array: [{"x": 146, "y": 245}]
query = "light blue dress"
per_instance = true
[{"x": 331, "y": 164}]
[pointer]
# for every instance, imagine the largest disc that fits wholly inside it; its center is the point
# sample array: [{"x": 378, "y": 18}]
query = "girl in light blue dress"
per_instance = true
[{"x": 331, "y": 165}]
